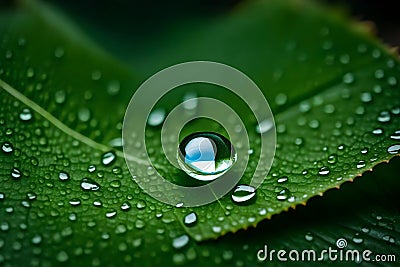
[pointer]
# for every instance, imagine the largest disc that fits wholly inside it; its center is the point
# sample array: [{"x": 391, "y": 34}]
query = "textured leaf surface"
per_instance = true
[{"x": 334, "y": 92}]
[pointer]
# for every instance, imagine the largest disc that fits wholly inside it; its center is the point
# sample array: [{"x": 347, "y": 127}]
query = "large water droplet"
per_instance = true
[
  {"x": 243, "y": 194},
  {"x": 108, "y": 158},
  {"x": 394, "y": 149},
  {"x": 190, "y": 219},
  {"x": 323, "y": 171},
  {"x": 26, "y": 114},
  {"x": 394, "y": 136},
  {"x": 180, "y": 241},
  {"x": 206, "y": 156},
  {"x": 156, "y": 117},
  {"x": 283, "y": 194},
  {"x": 7, "y": 147},
  {"x": 63, "y": 176},
  {"x": 89, "y": 184}
]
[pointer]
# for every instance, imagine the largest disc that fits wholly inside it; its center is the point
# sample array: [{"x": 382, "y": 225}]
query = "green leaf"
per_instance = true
[{"x": 329, "y": 83}]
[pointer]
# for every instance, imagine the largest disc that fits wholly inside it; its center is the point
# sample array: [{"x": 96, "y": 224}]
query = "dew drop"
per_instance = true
[
  {"x": 348, "y": 78},
  {"x": 205, "y": 156},
  {"x": 113, "y": 88},
  {"x": 366, "y": 97},
  {"x": 264, "y": 126},
  {"x": 283, "y": 179},
  {"x": 62, "y": 256},
  {"x": 7, "y": 147},
  {"x": 280, "y": 99},
  {"x": 190, "y": 101},
  {"x": 377, "y": 131},
  {"x": 63, "y": 176},
  {"x": 190, "y": 219},
  {"x": 283, "y": 194},
  {"x": 394, "y": 149},
  {"x": 111, "y": 213},
  {"x": 36, "y": 239},
  {"x": 357, "y": 238},
  {"x": 332, "y": 159},
  {"x": 361, "y": 164},
  {"x": 125, "y": 206},
  {"x": 394, "y": 136},
  {"x": 108, "y": 158},
  {"x": 141, "y": 204},
  {"x": 139, "y": 224},
  {"x": 91, "y": 168},
  {"x": 156, "y": 117},
  {"x": 16, "y": 173},
  {"x": 365, "y": 229},
  {"x": 26, "y": 114},
  {"x": 59, "y": 52},
  {"x": 84, "y": 114},
  {"x": 60, "y": 96},
  {"x": 309, "y": 237},
  {"x": 97, "y": 203},
  {"x": 180, "y": 241},
  {"x": 324, "y": 171},
  {"x": 243, "y": 194},
  {"x": 384, "y": 116},
  {"x": 74, "y": 202},
  {"x": 216, "y": 229},
  {"x": 89, "y": 184},
  {"x": 364, "y": 150}
]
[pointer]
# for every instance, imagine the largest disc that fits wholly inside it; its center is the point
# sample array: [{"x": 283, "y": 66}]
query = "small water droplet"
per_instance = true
[
  {"x": 364, "y": 150},
  {"x": 2, "y": 196},
  {"x": 96, "y": 75},
  {"x": 72, "y": 217},
  {"x": 309, "y": 237},
  {"x": 216, "y": 229},
  {"x": 264, "y": 126},
  {"x": 30, "y": 72},
  {"x": 63, "y": 176},
  {"x": 357, "y": 238},
  {"x": 365, "y": 229},
  {"x": 36, "y": 239},
  {"x": 156, "y": 117},
  {"x": 243, "y": 194},
  {"x": 283, "y": 194},
  {"x": 394, "y": 149},
  {"x": 108, "y": 158},
  {"x": 60, "y": 96},
  {"x": 377, "y": 131},
  {"x": 324, "y": 171},
  {"x": 7, "y": 147},
  {"x": 384, "y": 116},
  {"x": 280, "y": 99},
  {"x": 16, "y": 173},
  {"x": 283, "y": 179},
  {"x": 89, "y": 184},
  {"x": 139, "y": 224},
  {"x": 348, "y": 78},
  {"x": 84, "y": 114},
  {"x": 125, "y": 206},
  {"x": 62, "y": 256},
  {"x": 97, "y": 203},
  {"x": 392, "y": 81},
  {"x": 59, "y": 52},
  {"x": 74, "y": 201},
  {"x": 26, "y": 114},
  {"x": 394, "y": 136},
  {"x": 141, "y": 204},
  {"x": 379, "y": 74},
  {"x": 190, "y": 219},
  {"x": 332, "y": 159},
  {"x": 113, "y": 88},
  {"x": 366, "y": 97},
  {"x": 180, "y": 241},
  {"x": 361, "y": 164},
  {"x": 111, "y": 213},
  {"x": 205, "y": 156},
  {"x": 190, "y": 101}
]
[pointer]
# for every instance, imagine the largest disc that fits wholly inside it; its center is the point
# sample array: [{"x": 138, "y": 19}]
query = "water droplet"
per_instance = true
[
  {"x": 16, "y": 173},
  {"x": 91, "y": 168},
  {"x": 36, "y": 239},
  {"x": 89, "y": 184},
  {"x": 113, "y": 88},
  {"x": 97, "y": 203},
  {"x": 125, "y": 206},
  {"x": 63, "y": 176},
  {"x": 394, "y": 136},
  {"x": 30, "y": 72},
  {"x": 141, "y": 204},
  {"x": 329, "y": 109},
  {"x": 206, "y": 156},
  {"x": 280, "y": 99},
  {"x": 332, "y": 159},
  {"x": 361, "y": 164},
  {"x": 139, "y": 224},
  {"x": 190, "y": 219},
  {"x": 216, "y": 229},
  {"x": 324, "y": 171},
  {"x": 309, "y": 237},
  {"x": 62, "y": 256},
  {"x": 156, "y": 117},
  {"x": 26, "y": 114},
  {"x": 7, "y": 147},
  {"x": 365, "y": 229},
  {"x": 377, "y": 131},
  {"x": 283, "y": 194},
  {"x": 379, "y": 74},
  {"x": 179, "y": 205},
  {"x": 366, "y": 97},
  {"x": 190, "y": 101},
  {"x": 348, "y": 78},
  {"x": 59, "y": 52},
  {"x": 96, "y": 75},
  {"x": 60, "y": 96},
  {"x": 364, "y": 150},
  {"x": 75, "y": 202},
  {"x": 111, "y": 213},
  {"x": 2, "y": 196},
  {"x": 108, "y": 158},
  {"x": 180, "y": 241},
  {"x": 72, "y": 216},
  {"x": 357, "y": 238},
  {"x": 243, "y": 194},
  {"x": 264, "y": 126},
  {"x": 392, "y": 81},
  {"x": 394, "y": 149},
  {"x": 384, "y": 116},
  {"x": 84, "y": 114},
  {"x": 283, "y": 179}
]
